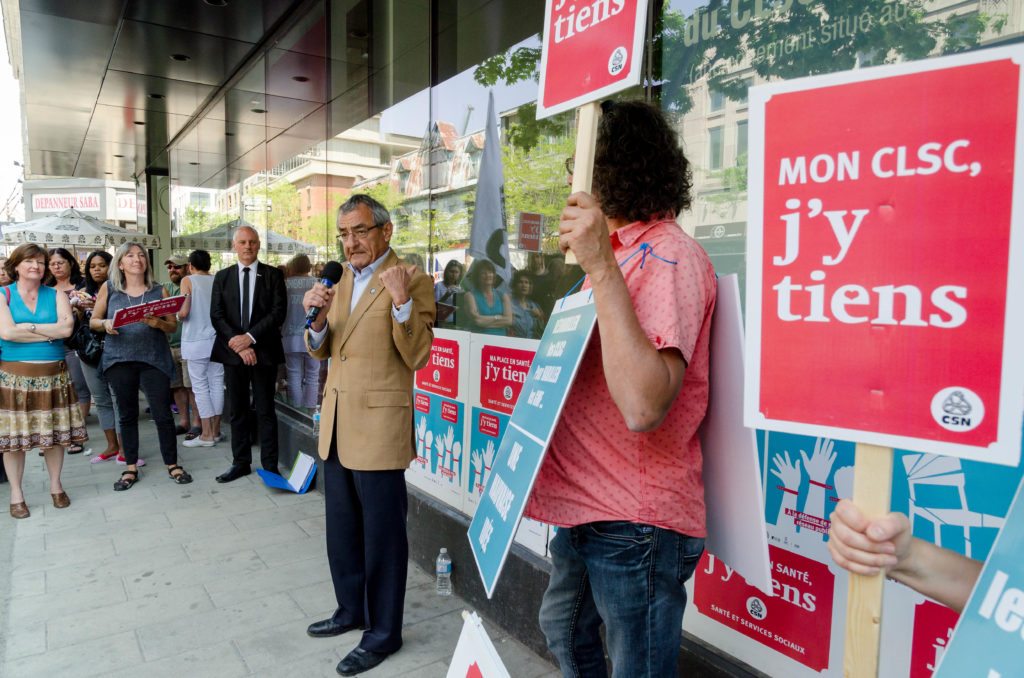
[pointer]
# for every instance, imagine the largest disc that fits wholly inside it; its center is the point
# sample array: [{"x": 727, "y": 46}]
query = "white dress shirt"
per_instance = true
[
  {"x": 360, "y": 282},
  {"x": 252, "y": 290}
]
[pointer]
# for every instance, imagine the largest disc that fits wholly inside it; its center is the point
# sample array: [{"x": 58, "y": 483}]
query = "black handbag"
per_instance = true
[{"x": 88, "y": 344}]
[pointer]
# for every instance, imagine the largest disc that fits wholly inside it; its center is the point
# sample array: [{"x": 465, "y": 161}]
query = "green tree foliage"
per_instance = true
[{"x": 789, "y": 40}]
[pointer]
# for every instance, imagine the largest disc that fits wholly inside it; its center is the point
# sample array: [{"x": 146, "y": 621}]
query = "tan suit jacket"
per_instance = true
[{"x": 367, "y": 400}]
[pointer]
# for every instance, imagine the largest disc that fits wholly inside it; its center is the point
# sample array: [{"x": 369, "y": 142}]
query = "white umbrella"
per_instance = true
[
  {"x": 218, "y": 239},
  {"x": 71, "y": 228}
]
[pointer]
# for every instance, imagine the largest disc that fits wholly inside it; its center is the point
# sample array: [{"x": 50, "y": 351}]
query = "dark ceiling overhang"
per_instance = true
[{"x": 233, "y": 85}]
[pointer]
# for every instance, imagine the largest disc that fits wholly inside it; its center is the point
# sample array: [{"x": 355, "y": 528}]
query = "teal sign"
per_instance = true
[
  {"x": 989, "y": 639},
  {"x": 528, "y": 434}
]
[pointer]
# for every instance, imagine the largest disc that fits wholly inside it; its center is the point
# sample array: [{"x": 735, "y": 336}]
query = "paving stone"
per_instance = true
[
  {"x": 23, "y": 640},
  {"x": 29, "y": 609},
  {"x": 216, "y": 661},
  {"x": 70, "y": 540},
  {"x": 231, "y": 589},
  {"x": 82, "y": 661},
  {"x": 27, "y": 583},
  {"x": 68, "y": 577},
  {"x": 214, "y": 546},
  {"x": 136, "y": 540},
  {"x": 436, "y": 670},
  {"x": 162, "y": 576},
  {"x": 319, "y": 665},
  {"x": 165, "y": 639},
  {"x": 153, "y": 608},
  {"x": 285, "y": 645},
  {"x": 316, "y": 600},
  {"x": 83, "y": 554},
  {"x": 316, "y": 526},
  {"x": 294, "y": 550},
  {"x": 277, "y": 514}
]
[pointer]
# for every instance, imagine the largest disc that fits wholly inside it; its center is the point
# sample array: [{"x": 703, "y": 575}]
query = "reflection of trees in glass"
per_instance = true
[
  {"x": 535, "y": 179},
  {"x": 733, "y": 182},
  {"x": 719, "y": 38},
  {"x": 827, "y": 36}
]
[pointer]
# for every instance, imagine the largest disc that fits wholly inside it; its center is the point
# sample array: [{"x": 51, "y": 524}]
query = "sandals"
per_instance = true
[
  {"x": 128, "y": 478},
  {"x": 182, "y": 478},
  {"x": 193, "y": 433},
  {"x": 75, "y": 448}
]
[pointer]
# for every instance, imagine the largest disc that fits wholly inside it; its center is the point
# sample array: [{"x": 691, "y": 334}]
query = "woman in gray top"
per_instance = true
[{"x": 138, "y": 356}]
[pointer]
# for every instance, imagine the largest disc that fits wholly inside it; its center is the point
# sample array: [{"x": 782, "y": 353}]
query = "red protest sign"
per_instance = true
[
  {"x": 531, "y": 226},
  {"x": 441, "y": 374},
  {"x": 885, "y": 257},
  {"x": 135, "y": 314},
  {"x": 591, "y": 50},
  {"x": 795, "y": 621}
]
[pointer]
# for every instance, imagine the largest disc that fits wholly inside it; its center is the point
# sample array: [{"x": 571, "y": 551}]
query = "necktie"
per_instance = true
[{"x": 245, "y": 299}]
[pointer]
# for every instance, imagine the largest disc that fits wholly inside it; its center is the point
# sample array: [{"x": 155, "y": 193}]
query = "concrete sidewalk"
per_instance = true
[{"x": 191, "y": 580}]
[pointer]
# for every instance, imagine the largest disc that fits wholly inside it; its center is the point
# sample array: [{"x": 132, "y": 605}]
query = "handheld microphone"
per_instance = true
[{"x": 331, "y": 275}]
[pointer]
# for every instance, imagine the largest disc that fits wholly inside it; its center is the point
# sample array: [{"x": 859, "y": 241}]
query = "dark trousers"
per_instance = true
[
  {"x": 368, "y": 550},
  {"x": 261, "y": 379},
  {"x": 126, "y": 379}
]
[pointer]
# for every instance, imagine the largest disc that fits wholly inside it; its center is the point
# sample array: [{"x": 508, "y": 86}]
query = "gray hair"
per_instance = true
[
  {"x": 116, "y": 275},
  {"x": 380, "y": 213},
  {"x": 239, "y": 229}
]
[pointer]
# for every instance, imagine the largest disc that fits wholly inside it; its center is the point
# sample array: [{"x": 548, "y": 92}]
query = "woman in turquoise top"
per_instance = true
[
  {"x": 490, "y": 311},
  {"x": 38, "y": 408}
]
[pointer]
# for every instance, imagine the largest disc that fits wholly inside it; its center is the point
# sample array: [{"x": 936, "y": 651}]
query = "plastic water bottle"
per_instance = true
[
  {"x": 444, "y": 573},
  {"x": 316, "y": 421}
]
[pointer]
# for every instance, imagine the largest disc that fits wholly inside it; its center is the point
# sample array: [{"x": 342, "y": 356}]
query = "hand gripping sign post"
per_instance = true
[
  {"x": 886, "y": 272},
  {"x": 590, "y": 50}
]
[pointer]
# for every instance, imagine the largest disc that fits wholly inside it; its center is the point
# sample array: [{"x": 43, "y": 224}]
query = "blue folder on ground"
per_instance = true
[{"x": 299, "y": 477}]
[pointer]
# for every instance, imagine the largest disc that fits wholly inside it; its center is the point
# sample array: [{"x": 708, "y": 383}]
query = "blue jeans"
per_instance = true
[{"x": 628, "y": 576}]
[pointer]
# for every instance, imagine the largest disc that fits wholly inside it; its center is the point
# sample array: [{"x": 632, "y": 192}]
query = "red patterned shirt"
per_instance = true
[{"x": 596, "y": 468}]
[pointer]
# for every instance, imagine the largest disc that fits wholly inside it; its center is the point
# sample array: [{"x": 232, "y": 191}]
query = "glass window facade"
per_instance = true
[{"x": 391, "y": 99}]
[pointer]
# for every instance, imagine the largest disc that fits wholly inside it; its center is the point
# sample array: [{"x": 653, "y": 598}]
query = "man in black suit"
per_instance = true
[{"x": 248, "y": 307}]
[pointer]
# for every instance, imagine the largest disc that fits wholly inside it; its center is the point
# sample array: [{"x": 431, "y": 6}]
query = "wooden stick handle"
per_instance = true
[
  {"x": 872, "y": 486},
  {"x": 586, "y": 143}
]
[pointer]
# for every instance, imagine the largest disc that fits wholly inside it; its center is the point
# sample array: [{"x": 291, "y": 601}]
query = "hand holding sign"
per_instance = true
[{"x": 583, "y": 230}]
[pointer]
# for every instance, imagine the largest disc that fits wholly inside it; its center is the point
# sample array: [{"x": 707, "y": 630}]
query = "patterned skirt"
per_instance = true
[{"x": 38, "y": 407}]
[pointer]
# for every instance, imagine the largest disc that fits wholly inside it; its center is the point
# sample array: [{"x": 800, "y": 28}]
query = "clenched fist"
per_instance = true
[{"x": 397, "y": 280}]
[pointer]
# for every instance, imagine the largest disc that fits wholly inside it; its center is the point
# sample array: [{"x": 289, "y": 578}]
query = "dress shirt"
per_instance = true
[
  {"x": 253, "y": 267},
  {"x": 359, "y": 284}
]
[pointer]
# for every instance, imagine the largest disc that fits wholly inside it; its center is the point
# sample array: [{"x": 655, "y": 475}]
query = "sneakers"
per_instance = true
[
  {"x": 219, "y": 437},
  {"x": 198, "y": 442},
  {"x": 104, "y": 456},
  {"x": 122, "y": 461}
]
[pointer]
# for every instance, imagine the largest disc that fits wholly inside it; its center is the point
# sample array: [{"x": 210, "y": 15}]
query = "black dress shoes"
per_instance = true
[
  {"x": 234, "y": 472},
  {"x": 328, "y": 628},
  {"x": 359, "y": 661}
]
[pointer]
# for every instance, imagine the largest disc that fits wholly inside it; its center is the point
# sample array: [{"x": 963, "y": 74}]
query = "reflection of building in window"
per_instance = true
[
  {"x": 717, "y": 100},
  {"x": 938, "y": 500},
  {"x": 741, "y": 140},
  {"x": 715, "y": 148}
]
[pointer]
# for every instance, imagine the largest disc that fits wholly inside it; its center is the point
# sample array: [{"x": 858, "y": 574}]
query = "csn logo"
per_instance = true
[
  {"x": 756, "y": 608},
  {"x": 958, "y": 409}
]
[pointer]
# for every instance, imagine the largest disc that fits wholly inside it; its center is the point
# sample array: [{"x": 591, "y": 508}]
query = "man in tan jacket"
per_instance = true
[{"x": 376, "y": 327}]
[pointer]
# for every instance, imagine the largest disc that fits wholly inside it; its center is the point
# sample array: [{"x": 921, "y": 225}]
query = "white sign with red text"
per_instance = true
[
  {"x": 886, "y": 256},
  {"x": 54, "y": 203},
  {"x": 590, "y": 51}
]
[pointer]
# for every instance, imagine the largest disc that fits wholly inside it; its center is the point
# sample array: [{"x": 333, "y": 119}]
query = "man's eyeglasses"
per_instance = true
[
  {"x": 359, "y": 233},
  {"x": 174, "y": 266},
  {"x": 570, "y": 164}
]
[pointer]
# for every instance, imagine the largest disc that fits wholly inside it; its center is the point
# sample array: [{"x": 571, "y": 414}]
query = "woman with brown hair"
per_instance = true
[{"x": 38, "y": 408}]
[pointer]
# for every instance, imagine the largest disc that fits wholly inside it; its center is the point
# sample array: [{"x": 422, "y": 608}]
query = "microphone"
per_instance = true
[{"x": 331, "y": 275}]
